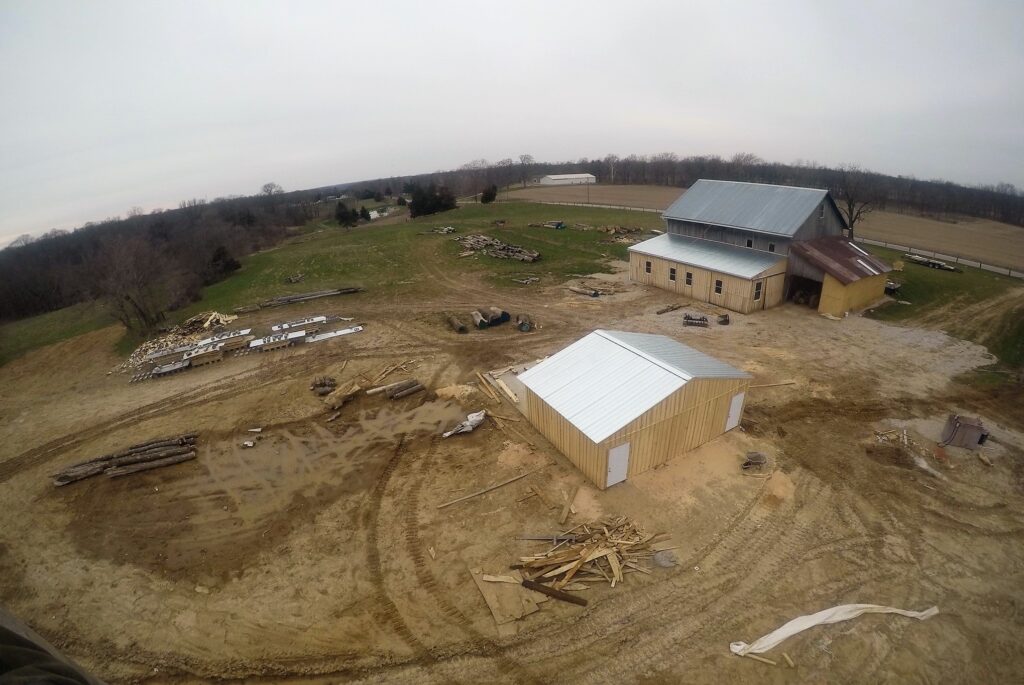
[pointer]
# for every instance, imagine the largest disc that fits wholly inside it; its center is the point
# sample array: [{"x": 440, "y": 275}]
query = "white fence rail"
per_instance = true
[{"x": 956, "y": 259}]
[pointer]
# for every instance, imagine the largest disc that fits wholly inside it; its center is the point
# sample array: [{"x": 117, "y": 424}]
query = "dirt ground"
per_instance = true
[
  {"x": 321, "y": 555},
  {"x": 990, "y": 242}
]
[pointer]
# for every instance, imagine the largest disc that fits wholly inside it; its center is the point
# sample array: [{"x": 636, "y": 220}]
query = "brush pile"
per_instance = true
[
  {"x": 604, "y": 551},
  {"x": 142, "y": 457},
  {"x": 492, "y": 247}
]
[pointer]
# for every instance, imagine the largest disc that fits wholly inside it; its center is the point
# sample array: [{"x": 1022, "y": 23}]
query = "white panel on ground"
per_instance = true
[
  {"x": 618, "y": 464},
  {"x": 735, "y": 412}
]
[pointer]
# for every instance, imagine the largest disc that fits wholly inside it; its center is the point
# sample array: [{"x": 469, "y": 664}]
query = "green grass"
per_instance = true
[
  {"x": 18, "y": 337},
  {"x": 927, "y": 290}
]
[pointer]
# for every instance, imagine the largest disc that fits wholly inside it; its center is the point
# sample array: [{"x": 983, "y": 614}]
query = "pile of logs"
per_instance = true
[
  {"x": 303, "y": 297},
  {"x": 323, "y": 385},
  {"x": 398, "y": 390},
  {"x": 604, "y": 551},
  {"x": 142, "y": 457},
  {"x": 492, "y": 247}
]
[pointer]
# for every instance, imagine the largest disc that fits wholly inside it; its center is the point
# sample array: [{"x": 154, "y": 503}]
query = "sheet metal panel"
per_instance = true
[
  {"x": 780, "y": 210},
  {"x": 608, "y": 379},
  {"x": 708, "y": 254}
]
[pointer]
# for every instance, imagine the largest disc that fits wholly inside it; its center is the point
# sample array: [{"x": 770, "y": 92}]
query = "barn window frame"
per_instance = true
[
  {"x": 758, "y": 286},
  {"x": 750, "y": 242},
  {"x": 719, "y": 287},
  {"x": 771, "y": 247},
  {"x": 689, "y": 278},
  {"x": 821, "y": 211},
  {"x": 647, "y": 267},
  {"x": 672, "y": 274}
]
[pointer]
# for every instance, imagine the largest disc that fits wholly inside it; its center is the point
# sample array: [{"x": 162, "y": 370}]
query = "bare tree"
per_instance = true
[
  {"x": 22, "y": 240},
  {"x": 270, "y": 189},
  {"x": 855, "y": 193},
  {"x": 135, "y": 211}
]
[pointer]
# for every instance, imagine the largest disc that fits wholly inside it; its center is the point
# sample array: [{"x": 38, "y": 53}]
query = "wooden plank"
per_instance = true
[
  {"x": 500, "y": 579},
  {"x": 507, "y": 390},
  {"x": 507, "y": 602},
  {"x": 568, "y": 505},
  {"x": 489, "y": 488},
  {"x": 553, "y": 593}
]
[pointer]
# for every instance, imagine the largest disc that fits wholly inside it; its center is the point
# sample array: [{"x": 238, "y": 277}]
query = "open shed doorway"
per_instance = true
[{"x": 804, "y": 291}]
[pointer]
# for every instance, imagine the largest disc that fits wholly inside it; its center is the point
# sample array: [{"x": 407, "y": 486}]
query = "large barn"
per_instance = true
[
  {"x": 751, "y": 246},
  {"x": 617, "y": 404}
]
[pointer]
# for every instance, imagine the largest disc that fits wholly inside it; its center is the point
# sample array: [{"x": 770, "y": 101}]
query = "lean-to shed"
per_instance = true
[{"x": 617, "y": 404}]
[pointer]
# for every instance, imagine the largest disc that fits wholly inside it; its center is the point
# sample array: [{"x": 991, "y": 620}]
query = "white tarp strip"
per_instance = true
[{"x": 844, "y": 612}]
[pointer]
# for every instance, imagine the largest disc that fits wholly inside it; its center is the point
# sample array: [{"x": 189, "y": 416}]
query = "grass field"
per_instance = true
[
  {"x": 18, "y": 337},
  {"x": 976, "y": 305}
]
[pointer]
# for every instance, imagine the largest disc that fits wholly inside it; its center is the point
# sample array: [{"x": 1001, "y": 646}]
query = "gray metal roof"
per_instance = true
[
  {"x": 608, "y": 379},
  {"x": 709, "y": 254},
  {"x": 779, "y": 210}
]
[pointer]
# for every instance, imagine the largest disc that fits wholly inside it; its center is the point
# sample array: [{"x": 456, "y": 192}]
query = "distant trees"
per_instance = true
[
  {"x": 490, "y": 194},
  {"x": 430, "y": 200},
  {"x": 271, "y": 189},
  {"x": 346, "y": 216},
  {"x": 364, "y": 213}
]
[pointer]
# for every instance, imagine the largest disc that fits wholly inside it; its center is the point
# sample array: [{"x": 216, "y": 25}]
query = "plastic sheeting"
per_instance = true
[
  {"x": 843, "y": 612},
  {"x": 472, "y": 421}
]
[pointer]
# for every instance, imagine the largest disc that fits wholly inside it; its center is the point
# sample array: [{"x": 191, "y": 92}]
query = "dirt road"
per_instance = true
[{"x": 321, "y": 556}]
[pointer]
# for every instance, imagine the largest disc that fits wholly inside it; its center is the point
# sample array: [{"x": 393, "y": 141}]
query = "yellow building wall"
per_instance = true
[
  {"x": 577, "y": 447},
  {"x": 737, "y": 293},
  {"x": 837, "y": 299}
]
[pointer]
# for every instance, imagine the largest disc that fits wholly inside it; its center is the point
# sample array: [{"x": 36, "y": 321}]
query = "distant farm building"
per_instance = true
[
  {"x": 566, "y": 179},
  {"x": 750, "y": 246},
  {"x": 618, "y": 404}
]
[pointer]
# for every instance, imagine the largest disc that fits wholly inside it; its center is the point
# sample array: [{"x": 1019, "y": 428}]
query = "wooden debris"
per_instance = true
[
  {"x": 552, "y": 592},
  {"x": 433, "y": 554},
  {"x": 606, "y": 549},
  {"x": 492, "y": 247},
  {"x": 507, "y": 602},
  {"x": 507, "y": 390},
  {"x": 568, "y": 505},
  {"x": 984, "y": 459},
  {"x": 486, "y": 387},
  {"x": 489, "y": 488},
  {"x": 788, "y": 660},
  {"x": 116, "y": 472},
  {"x": 342, "y": 396},
  {"x": 333, "y": 416},
  {"x": 457, "y": 325},
  {"x": 500, "y": 579},
  {"x": 774, "y": 385},
  {"x": 589, "y": 292},
  {"x": 669, "y": 308},
  {"x": 761, "y": 659}
]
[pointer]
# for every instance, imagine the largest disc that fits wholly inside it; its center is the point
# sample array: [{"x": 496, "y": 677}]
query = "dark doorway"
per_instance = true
[{"x": 804, "y": 291}]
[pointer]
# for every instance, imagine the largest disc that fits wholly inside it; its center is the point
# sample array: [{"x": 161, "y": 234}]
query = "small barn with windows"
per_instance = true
[
  {"x": 617, "y": 403},
  {"x": 751, "y": 246},
  {"x": 566, "y": 179}
]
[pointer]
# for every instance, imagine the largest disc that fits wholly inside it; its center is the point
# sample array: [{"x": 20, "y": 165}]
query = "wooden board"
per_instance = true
[{"x": 507, "y": 602}]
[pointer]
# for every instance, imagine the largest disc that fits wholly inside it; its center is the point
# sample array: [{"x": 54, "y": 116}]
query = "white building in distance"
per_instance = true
[{"x": 566, "y": 179}]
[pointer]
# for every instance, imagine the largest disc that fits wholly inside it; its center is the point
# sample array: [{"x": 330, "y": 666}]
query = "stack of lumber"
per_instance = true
[
  {"x": 492, "y": 247},
  {"x": 208, "y": 354},
  {"x": 303, "y": 297},
  {"x": 603, "y": 551},
  {"x": 142, "y": 457}
]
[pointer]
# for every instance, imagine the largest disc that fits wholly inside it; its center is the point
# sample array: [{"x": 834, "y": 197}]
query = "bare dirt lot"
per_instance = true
[
  {"x": 321, "y": 555},
  {"x": 990, "y": 242}
]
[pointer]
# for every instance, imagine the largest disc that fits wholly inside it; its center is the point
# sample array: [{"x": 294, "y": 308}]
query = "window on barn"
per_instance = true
[
  {"x": 757, "y": 291},
  {"x": 771, "y": 247},
  {"x": 689, "y": 278},
  {"x": 672, "y": 274},
  {"x": 750, "y": 243},
  {"x": 647, "y": 267},
  {"x": 821, "y": 211},
  {"x": 718, "y": 287}
]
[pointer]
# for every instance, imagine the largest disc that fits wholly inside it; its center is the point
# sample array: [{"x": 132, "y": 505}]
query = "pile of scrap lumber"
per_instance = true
[
  {"x": 203, "y": 322},
  {"x": 492, "y": 247},
  {"x": 142, "y": 457},
  {"x": 619, "y": 230},
  {"x": 603, "y": 551}
]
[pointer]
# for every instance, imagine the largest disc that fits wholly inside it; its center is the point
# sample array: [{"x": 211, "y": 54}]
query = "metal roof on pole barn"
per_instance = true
[
  {"x": 780, "y": 210},
  {"x": 608, "y": 379},
  {"x": 708, "y": 254}
]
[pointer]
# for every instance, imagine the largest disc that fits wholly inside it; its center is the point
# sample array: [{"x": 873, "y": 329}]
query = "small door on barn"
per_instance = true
[
  {"x": 735, "y": 411},
  {"x": 618, "y": 464}
]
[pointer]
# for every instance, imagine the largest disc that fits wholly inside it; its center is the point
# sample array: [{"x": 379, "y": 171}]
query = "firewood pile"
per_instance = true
[
  {"x": 142, "y": 457},
  {"x": 619, "y": 230},
  {"x": 603, "y": 552},
  {"x": 492, "y": 247}
]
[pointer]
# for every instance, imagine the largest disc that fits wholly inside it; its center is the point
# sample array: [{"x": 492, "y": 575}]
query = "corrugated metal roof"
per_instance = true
[
  {"x": 607, "y": 379},
  {"x": 779, "y": 210},
  {"x": 708, "y": 254},
  {"x": 840, "y": 258},
  {"x": 564, "y": 176}
]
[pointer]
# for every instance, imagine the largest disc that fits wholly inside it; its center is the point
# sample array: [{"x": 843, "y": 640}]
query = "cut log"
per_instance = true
[
  {"x": 384, "y": 388},
  {"x": 149, "y": 456},
  {"x": 479, "y": 320},
  {"x": 159, "y": 463},
  {"x": 456, "y": 325},
  {"x": 400, "y": 386},
  {"x": 408, "y": 391},
  {"x": 584, "y": 291}
]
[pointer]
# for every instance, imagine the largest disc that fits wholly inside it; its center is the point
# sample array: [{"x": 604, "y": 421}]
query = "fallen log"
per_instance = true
[
  {"x": 488, "y": 489},
  {"x": 146, "y": 466},
  {"x": 667, "y": 309},
  {"x": 584, "y": 291},
  {"x": 553, "y": 593},
  {"x": 479, "y": 320},
  {"x": 400, "y": 387},
  {"x": 384, "y": 388},
  {"x": 457, "y": 325},
  {"x": 408, "y": 391},
  {"x": 149, "y": 456}
]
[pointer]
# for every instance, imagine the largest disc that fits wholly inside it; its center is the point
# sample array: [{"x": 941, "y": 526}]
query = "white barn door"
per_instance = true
[
  {"x": 618, "y": 464},
  {"x": 735, "y": 411}
]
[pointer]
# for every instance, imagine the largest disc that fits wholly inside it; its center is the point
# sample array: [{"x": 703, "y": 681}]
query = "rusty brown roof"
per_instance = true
[{"x": 840, "y": 258}]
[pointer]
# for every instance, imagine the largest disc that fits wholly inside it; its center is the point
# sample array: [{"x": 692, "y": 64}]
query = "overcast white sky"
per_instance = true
[{"x": 106, "y": 105}]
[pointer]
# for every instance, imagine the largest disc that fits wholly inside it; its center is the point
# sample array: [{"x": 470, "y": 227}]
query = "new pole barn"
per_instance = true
[{"x": 618, "y": 404}]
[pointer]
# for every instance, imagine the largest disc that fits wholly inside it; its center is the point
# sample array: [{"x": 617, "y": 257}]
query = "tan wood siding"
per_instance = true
[
  {"x": 568, "y": 439},
  {"x": 837, "y": 299},
  {"x": 737, "y": 293}
]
